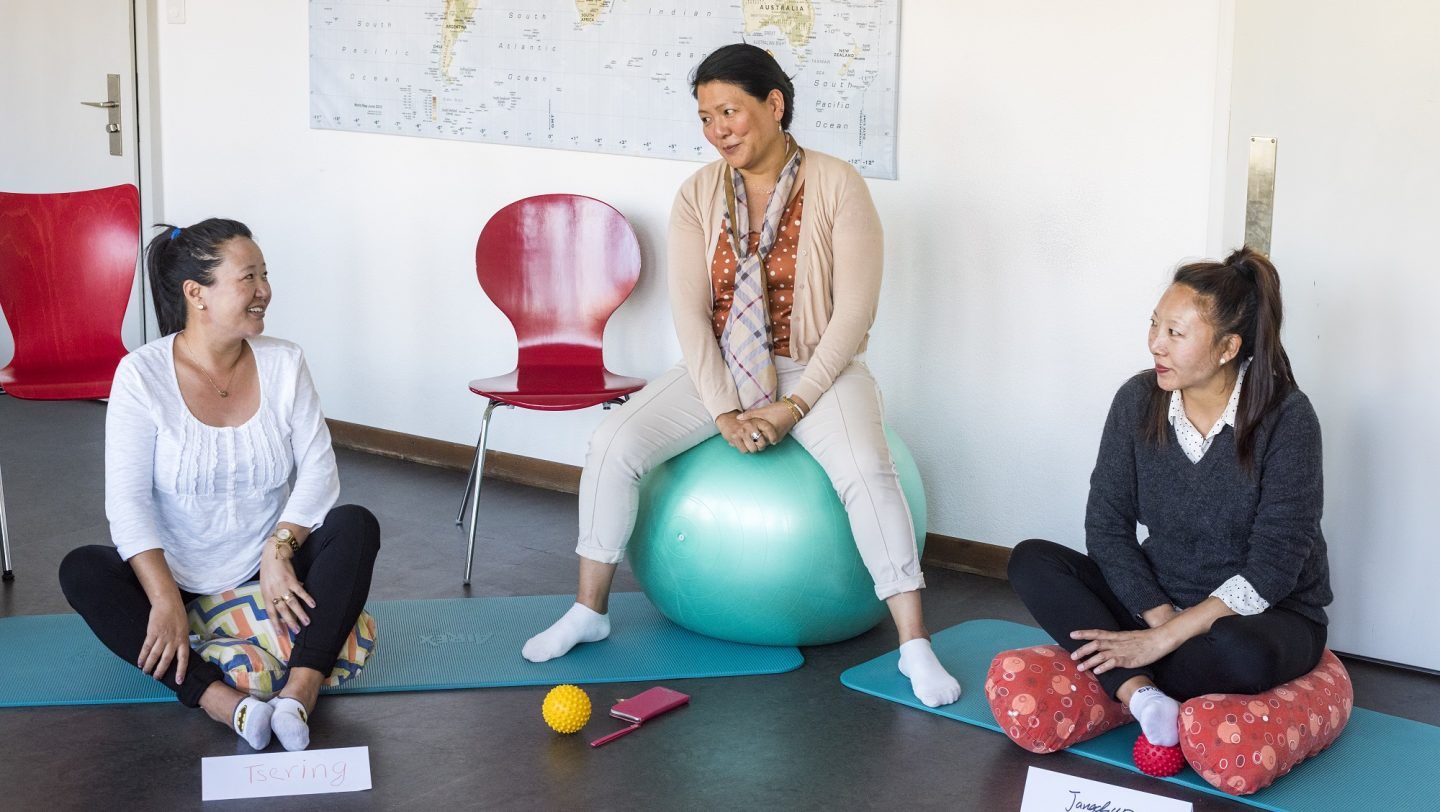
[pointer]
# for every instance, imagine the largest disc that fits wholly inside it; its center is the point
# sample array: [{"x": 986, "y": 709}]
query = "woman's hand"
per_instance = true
[
  {"x": 774, "y": 421},
  {"x": 1129, "y": 649},
  {"x": 745, "y": 436},
  {"x": 167, "y": 640},
  {"x": 285, "y": 597}
]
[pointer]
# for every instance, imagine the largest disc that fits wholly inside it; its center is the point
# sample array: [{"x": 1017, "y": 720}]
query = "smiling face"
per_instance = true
[
  {"x": 1183, "y": 343},
  {"x": 743, "y": 129},
  {"x": 235, "y": 301}
]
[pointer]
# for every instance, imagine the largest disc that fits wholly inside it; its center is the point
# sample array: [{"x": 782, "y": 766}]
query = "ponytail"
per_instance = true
[
  {"x": 176, "y": 255},
  {"x": 1242, "y": 295}
]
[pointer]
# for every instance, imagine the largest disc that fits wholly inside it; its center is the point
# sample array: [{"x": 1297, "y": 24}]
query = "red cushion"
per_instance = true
[
  {"x": 1044, "y": 704},
  {"x": 1241, "y": 743}
]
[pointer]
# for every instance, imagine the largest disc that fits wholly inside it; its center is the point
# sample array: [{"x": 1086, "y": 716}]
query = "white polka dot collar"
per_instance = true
[{"x": 1192, "y": 442}]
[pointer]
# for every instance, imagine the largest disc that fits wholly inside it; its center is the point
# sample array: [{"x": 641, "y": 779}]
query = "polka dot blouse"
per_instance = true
[{"x": 779, "y": 275}]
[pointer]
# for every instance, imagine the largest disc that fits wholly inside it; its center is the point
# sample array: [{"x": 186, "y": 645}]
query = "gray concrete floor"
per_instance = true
[{"x": 791, "y": 741}]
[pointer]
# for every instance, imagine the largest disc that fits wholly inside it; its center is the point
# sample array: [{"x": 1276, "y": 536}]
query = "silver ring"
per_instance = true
[{"x": 755, "y": 436}]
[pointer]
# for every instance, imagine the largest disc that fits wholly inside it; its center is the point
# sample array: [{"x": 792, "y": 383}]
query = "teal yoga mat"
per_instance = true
[
  {"x": 1379, "y": 761},
  {"x": 422, "y": 645}
]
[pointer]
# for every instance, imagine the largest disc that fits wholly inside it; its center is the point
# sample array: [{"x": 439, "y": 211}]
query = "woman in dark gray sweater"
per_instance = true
[{"x": 1217, "y": 453}]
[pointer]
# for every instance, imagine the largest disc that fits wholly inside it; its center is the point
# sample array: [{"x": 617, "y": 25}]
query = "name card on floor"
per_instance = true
[
  {"x": 265, "y": 775},
  {"x": 1047, "y": 791}
]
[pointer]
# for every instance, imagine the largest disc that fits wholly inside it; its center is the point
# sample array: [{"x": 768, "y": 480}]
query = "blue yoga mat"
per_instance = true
[
  {"x": 1379, "y": 761},
  {"x": 421, "y": 645}
]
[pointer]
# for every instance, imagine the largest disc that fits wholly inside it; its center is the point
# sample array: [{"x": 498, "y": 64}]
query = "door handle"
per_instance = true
[{"x": 112, "y": 104}]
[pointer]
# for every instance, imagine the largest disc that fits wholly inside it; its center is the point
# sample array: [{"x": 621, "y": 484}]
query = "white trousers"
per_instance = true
[{"x": 844, "y": 432}]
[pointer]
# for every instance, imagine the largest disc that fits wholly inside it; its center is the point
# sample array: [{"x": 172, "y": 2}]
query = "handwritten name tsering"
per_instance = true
[
  {"x": 1092, "y": 806},
  {"x": 329, "y": 773}
]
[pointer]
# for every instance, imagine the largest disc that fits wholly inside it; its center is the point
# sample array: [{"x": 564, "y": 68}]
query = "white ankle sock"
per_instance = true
[
  {"x": 579, "y": 625},
  {"x": 251, "y": 720},
  {"x": 931, "y": 683},
  {"x": 290, "y": 723},
  {"x": 1158, "y": 715}
]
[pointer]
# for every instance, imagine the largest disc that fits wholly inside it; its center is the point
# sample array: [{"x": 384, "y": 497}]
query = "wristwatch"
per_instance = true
[{"x": 283, "y": 539}]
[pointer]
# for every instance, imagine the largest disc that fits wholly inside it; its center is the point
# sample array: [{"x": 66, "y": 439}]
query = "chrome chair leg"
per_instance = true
[
  {"x": 469, "y": 480},
  {"x": 9, "y": 572},
  {"x": 476, "y": 477}
]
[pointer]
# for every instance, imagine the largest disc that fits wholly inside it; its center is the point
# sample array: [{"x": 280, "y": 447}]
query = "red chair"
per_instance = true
[
  {"x": 557, "y": 266},
  {"x": 67, "y": 268}
]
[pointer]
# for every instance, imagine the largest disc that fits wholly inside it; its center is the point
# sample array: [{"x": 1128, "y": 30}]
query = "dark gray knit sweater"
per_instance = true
[{"x": 1209, "y": 521}]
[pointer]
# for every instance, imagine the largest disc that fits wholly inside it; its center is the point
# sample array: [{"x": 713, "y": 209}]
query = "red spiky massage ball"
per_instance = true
[{"x": 1152, "y": 759}]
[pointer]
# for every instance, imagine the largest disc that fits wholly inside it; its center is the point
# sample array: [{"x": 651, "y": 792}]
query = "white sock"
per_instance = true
[
  {"x": 251, "y": 720},
  {"x": 579, "y": 625},
  {"x": 931, "y": 683},
  {"x": 291, "y": 723},
  {"x": 1158, "y": 715}
]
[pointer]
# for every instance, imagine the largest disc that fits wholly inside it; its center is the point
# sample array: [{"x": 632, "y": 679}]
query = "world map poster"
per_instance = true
[{"x": 599, "y": 75}]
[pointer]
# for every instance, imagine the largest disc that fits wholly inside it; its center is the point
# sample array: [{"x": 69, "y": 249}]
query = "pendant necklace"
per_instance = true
[{"x": 224, "y": 393}]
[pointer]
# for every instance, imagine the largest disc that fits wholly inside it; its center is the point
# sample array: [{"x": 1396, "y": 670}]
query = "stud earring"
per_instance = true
[{"x": 202, "y": 307}]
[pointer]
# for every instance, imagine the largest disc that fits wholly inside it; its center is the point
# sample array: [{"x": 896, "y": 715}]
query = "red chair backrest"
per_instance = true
[
  {"x": 558, "y": 266},
  {"x": 67, "y": 268}
]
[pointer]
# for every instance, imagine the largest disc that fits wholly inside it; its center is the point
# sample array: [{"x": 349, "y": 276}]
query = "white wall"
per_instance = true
[
  {"x": 1350, "y": 91},
  {"x": 1055, "y": 163}
]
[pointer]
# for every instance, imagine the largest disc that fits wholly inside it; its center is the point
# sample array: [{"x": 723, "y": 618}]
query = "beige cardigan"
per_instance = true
[{"x": 837, "y": 277}]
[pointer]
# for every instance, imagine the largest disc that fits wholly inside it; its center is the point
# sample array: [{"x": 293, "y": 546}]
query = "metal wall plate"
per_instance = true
[{"x": 1260, "y": 193}]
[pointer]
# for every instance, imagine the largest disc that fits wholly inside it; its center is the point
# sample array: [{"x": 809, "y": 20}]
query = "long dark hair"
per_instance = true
[
  {"x": 179, "y": 254},
  {"x": 1241, "y": 296},
  {"x": 753, "y": 69}
]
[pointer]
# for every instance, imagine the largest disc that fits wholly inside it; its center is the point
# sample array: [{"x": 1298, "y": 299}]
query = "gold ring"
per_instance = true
[
  {"x": 288, "y": 596},
  {"x": 275, "y": 602}
]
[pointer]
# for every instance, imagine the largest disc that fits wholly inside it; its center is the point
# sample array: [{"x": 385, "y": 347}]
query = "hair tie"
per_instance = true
[{"x": 175, "y": 233}]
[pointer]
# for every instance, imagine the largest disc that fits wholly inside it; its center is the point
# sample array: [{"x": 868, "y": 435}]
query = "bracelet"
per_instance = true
[{"x": 794, "y": 408}]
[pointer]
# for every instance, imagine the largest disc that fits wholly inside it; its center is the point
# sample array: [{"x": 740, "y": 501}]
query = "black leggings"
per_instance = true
[
  {"x": 1242, "y": 654},
  {"x": 335, "y": 564}
]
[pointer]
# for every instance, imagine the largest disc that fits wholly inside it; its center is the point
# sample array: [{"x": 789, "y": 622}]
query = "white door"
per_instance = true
[
  {"x": 54, "y": 56},
  {"x": 1349, "y": 91}
]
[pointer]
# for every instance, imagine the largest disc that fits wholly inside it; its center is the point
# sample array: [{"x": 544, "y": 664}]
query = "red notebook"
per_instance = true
[{"x": 643, "y": 706}]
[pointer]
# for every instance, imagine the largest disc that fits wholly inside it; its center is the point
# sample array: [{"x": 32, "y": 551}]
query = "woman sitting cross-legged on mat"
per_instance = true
[
  {"x": 1217, "y": 452},
  {"x": 204, "y": 430},
  {"x": 775, "y": 257}
]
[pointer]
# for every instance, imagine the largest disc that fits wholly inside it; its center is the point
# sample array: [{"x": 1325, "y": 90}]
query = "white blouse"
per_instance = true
[
  {"x": 210, "y": 496},
  {"x": 1237, "y": 592}
]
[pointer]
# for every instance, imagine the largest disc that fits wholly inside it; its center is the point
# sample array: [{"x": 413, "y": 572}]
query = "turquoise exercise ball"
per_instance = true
[{"x": 756, "y": 548}]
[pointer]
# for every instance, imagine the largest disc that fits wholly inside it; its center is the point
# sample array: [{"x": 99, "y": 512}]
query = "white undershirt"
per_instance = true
[
  {"x": 210, "y": 496},
  {"x": 1237, "y": 592}
]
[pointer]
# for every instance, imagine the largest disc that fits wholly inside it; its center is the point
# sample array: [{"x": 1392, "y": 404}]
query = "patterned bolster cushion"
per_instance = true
[
  {"x": 1044, "y": 704},
  {"x": 235, "y": 633},
  {"x": 1241, "y": 743}
]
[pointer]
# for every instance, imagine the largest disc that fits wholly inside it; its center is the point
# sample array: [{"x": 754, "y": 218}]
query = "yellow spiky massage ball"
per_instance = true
[{"x": 566, "y": 709}]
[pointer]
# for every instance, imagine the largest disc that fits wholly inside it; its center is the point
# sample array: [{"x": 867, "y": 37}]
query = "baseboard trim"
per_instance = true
[
  {"x": 965, "y": 555},
  {"x": 947, "y": 552},
  {"x": 554, "y": 476}
]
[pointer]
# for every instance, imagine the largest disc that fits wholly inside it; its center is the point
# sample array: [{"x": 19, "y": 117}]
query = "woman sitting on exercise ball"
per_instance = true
[
  {"x": 204, "y": 429},
  {"x": 775, "y": 257},
  {"x": 1217, "y": 452}
]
